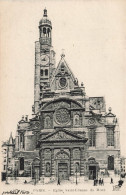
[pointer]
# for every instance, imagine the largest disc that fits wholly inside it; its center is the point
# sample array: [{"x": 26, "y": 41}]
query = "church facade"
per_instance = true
[{"x": 69, "y": 133}]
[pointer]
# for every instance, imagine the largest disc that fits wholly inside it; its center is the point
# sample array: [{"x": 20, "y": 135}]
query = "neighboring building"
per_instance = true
[
  {"x": 123, "y": 164},
  {"x": 69, "y": 132},
  {"x": 4, "y": 160},
  {"x": 8, "y": 157}
]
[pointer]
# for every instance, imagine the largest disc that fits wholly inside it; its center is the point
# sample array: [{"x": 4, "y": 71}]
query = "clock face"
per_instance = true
[{"x": 44, "y": 59}]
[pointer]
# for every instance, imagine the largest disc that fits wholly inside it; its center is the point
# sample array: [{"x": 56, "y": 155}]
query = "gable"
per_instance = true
[
  {"x": 63, "y": 78},
  {"x": 62, "y": 135}
]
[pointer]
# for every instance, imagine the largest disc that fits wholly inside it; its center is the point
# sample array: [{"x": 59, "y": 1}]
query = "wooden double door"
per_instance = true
[{"x": 63, "y": 171}]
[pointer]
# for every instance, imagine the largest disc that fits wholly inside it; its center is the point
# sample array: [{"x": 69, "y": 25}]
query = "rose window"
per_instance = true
[{"x": 62, "y": 116}]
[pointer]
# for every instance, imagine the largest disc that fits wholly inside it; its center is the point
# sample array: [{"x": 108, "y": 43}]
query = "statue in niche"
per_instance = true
[
  {"x": 76, "y": 82},
  {"x": 76, "y": 120},
  {"x": 48, "y": 167},
  {"x": 47, "y": 122}
]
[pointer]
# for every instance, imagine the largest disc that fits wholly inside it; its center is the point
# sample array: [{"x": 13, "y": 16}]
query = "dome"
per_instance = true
[{"x": 45, "y": 19}]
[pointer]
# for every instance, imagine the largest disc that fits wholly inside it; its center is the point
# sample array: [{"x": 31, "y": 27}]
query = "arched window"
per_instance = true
[
  {"x": 22, "y": 142},
  {"x": 110, "y": 136},
  {"x": 48, "y": 32},
  {"x": 111, "y": 163},
  {"x": 44, "y": 31},
  {"x": 47, "y": 122},
  {"x": 47, "y": 167},
  {"x": 41, "y": 72},
  {"x": 21, "y": 163},
  {"x": 46, "y": 72},
  {"x": 76, "y": 120},
  {"x": 92, "y": 137}
]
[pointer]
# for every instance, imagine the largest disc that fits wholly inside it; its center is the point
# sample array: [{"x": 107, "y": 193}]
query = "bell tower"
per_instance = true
[
  {"x": 45, "y": 31},
  {"x": 44, "y": 59}
]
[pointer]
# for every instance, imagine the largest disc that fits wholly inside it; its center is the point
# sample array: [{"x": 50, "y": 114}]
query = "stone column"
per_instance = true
[
  {"x": 71, "y": 162},
  {"x": 42, "y": 162},
  {"x": 81, "y": 161},
  {"x": 52, "y": 162}
]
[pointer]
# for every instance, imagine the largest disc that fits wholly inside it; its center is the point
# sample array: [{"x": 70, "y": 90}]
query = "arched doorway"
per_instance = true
[
  {"x": 62, "y": 162},
  {"x": 92, "y": 168},
  {"x": 111, "y": 163}
]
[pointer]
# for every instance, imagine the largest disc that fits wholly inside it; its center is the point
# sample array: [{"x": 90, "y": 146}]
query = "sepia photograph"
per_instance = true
[{"x": 62, "y": 97}]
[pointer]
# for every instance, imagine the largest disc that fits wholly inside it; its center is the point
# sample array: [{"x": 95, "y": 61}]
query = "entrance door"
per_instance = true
[
  {"x": 63, "y": 171},
  {"x": 92, "y": 172},
  {"x": 37, "y": 174},
  {"x": 110, "y": 163}
]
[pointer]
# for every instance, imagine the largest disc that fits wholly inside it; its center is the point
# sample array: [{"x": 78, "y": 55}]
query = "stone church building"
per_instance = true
[{"x": 70, "y": 133}]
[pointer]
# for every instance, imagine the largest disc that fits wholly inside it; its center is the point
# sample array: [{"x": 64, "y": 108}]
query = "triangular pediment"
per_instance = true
[
  {"x": 110, "y": 115},
  {"x": 62, "y": 135},
  {"x": 63, "y": 74}
]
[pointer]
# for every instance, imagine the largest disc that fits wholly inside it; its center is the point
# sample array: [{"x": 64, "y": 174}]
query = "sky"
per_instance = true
[{"x": 93, "y": 36}]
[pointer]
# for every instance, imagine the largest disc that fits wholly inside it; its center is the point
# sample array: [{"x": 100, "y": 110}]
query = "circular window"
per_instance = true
[
  {"x": 91, "y": 121},
  {"x": 62, "y": 116},
  {"x": 63, "y": 82}
]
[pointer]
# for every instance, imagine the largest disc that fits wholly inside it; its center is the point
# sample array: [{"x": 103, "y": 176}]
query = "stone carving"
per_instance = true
[
  {"x": 47, "y": 154},
  {"x": 62, "y": 116},
  {"x": 49, "y": 107},
  {"x": 61, "y": 104},
  {"x": 76, "y": 154},
  {"x": 62, "y": 82},
  {"x": 47, "y": 122},
  {"x": 74, "y": 105},
  {"x": 61, "y": 136},
  {"x": 35, "y": 125},
  {"x": 76, "y": 120},
  {"x": 96, "y": 102},
  {"x": 47, "y": 167},
  {"x": 91, "y": 121},
  {"x": 62, "y": 155}
]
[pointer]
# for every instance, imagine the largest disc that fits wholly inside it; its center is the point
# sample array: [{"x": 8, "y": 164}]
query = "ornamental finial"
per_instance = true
[
  {"x": 110, "y": 109},
  {"x": 45, "y": 12},
  {"x": 62, "y": 54}
]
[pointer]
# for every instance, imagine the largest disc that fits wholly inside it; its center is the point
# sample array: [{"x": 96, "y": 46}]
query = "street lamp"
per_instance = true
[{"x": 76, "y": 174}]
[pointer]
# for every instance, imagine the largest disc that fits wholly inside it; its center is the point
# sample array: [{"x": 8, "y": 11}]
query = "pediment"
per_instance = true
[
  {"x": 36, "y": 162},
  {"x": 63, "y": 78},
  {"x": 62, "y": 135},
  {"x": 63, "y": 69},
  {"x": 110, "y": 115}
]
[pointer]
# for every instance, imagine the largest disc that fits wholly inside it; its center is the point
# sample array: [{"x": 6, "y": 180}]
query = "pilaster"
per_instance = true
[{"x": 71, "y": 162}]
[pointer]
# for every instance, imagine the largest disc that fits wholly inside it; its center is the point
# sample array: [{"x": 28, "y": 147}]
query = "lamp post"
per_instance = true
[
  {"x": 76, "y": 174},
  {"x": 31, "y": 170}
]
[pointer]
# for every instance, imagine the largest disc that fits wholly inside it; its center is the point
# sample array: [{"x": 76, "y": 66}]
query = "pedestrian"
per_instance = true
[
  {"x": 102, "y": 182},
  {"x": 111, "y": 180},
  {"x": 58, "y": 183},
  {"x": 94, "y": 182},
  {"x": 120, "y": 182}
]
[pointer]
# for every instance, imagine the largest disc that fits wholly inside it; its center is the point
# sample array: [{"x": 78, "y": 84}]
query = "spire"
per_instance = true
[
  {"x": 45, "y": 13},
  {"x": 11, "y": 139}
]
